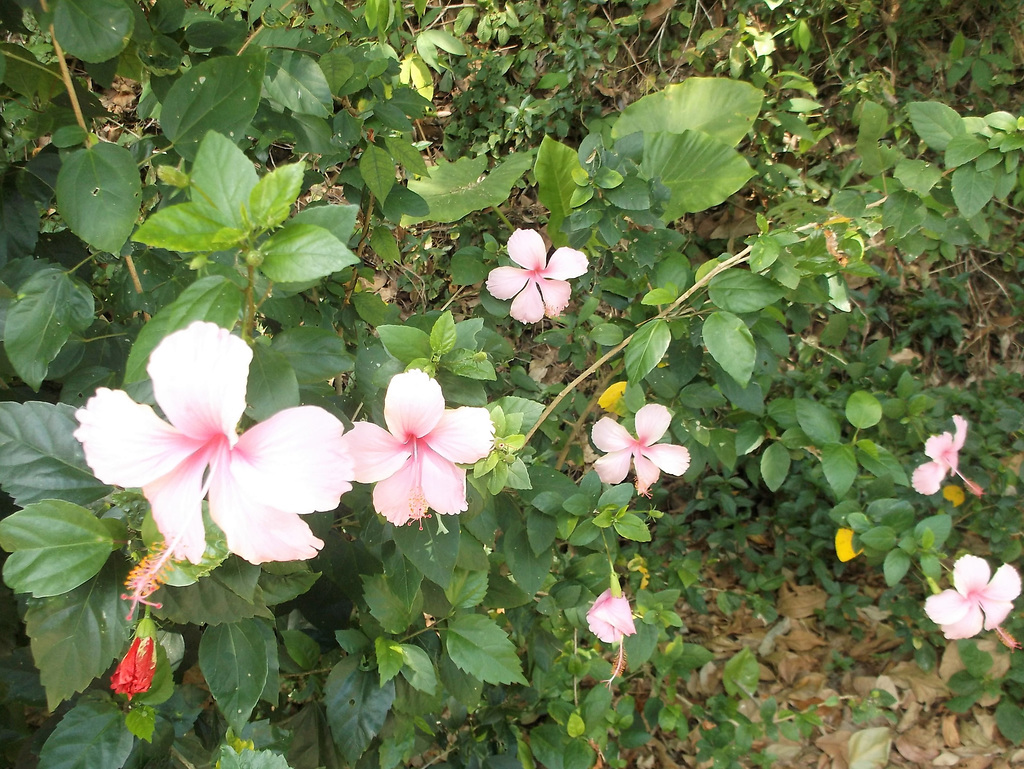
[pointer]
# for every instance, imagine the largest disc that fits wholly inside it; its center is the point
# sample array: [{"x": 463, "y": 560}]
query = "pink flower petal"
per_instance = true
[
  {"x": 528, "y": 307},
  {"x": 610, "y": 617},
  {"x": 968, "y": 627},
  {"x": 296, "y": 461},
  {"x": 609, "y": 435},
  {"x": 566, "y": 263},
  {"x": 199, "y": 377},
  {"x": 647, "y": 474},
  {"x": 376, "y": 453},
  {"x": 506, "y": 282},
  {"x": 526, "y": 248},
  {"x": 413, "y": 405},
  {"x": 176, "y": 500},
  {"x": 254, "y": 530},
  {"x": 1005, "y": 585},
  {"x": 928, "y": 478},
  {"x": 126, "y": 443},
  {"x": 947, "y": 608},
  {"x": 652, "y": 422},
  {"x": 613, "y": 467},
  {"x": 995, "y": 612},
  {"x": 555, "y": 294},
  {"x": 961, "y": 432},
  {"x": 971, "y": 575},
  {"x": 464, "y": 435},
  {"x": 674, "y": 460},
  {"x": 940, "y": 449},
  {"x": 399, "y": 497},
  {"x": 443, "y": 484}
]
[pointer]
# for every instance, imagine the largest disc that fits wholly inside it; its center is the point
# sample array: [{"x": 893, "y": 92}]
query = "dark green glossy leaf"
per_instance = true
[
  {"x": 742, "y": 291},
  {"x": 775, "y": 463},
  {"x": 817, "y": 421},
  {"x": 99, "y": 194},
  {"x": 40, "y": 458},
  {"x": 555, "y": 186},
  {"x": 55, "y": 546},
  {"x": 646, "y": 349},
  {"x": 315, "y": 354},
  {"x": 840, "y": 466},
  {"x": 90, "y": 735},
  {"x": 428, "y": 549},
  {"x": 272, "y": 385},
  {"x": 298, "y": 253},
  {"x": 233, "y": 658},
  {"x": 405, "y": 343},
  {"x": 731, "y": 344},
  {"x": 479, "y": 647},
  {"x": 93, "y": 30},
  {"x": 357, "y": 706},
  {"x": 378, "y": 171},
  {"x": 296, "y": 82}
]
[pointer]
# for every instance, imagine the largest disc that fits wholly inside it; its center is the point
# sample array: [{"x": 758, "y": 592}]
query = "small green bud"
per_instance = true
[{"x": 254, "y": 258}]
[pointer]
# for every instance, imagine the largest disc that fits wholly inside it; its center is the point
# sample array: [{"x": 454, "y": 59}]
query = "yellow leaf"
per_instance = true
[
  {"x": 414, "y": 72},
  {"x": 844, "y": 545},
  {"x": 954, "y": 494},
  {"x": 611, "y": 399}
]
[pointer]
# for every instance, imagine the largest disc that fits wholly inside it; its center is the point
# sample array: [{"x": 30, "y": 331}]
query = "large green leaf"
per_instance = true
[
  {"x": 430, "y": 550},
  {"x": 298, "y": 253},
  {"x": 454, "y": 190},
  {"x": 214, "y": 299},
  {"x": 220, "y": 94},
  {"x": 378, "y": 171},
  {"x": 646, "y": 349},
  {"x": 271, "y": 200},
  {"x": 936, "y": 123},
  {"x": 76, "y": 635},
  {"x": 315, "y": 354},
  {"x": 221, "y": 181},
  {"x": 719, "y": 107},
  {"x": 817, "y": 421},
  {"x": 700, "y": 171},
  {"x": 972, "y": 189},
  {"x": 40, "y": 458},
  {"x": 743, "y": 291},
  {"x": 55, "y": 546},
  {"x": 212, "y": 600},
  {"x": 186, "y": 228},
  {"x": 840, "y": 466},
  {"x": 49, "y": 308},
  {"x": 92, "y": 734},
  {"x": 98, "y": 194},
  {"x": 731, "y": 344},
  {"x": 479, "y": 647},
  {"x": 296, "y": 82},
  {"x": 233, "y": 658},
  {"x": 93, "y": 30},
  {"x": 339, "y": 220},
  {"x": 357, "y": 706},
  {"x": 552, "y": 746},
  {"x": 775, "y": 466},
  {"x": 272, "y": 385},
  {"x": 553, "y": 169}
]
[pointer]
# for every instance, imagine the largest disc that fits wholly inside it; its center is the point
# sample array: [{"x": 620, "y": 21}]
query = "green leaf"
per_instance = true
[
  {"x": 903, "y": 212},
  {"x": 479, "y": 647},
  {"x": 222, "y": 181},
  {"x": 50, "y": 307},
  {"x": 93, "y": 30},
  {"x": 301, "y": 648},
  {"x": 935, "y": 122},
  {"x": 419, "y": 671},
  {"x": 55, "y": 546},
  {"x": 1010, "y": 720},
  {"x": 432, "y": 552},
  {"x": 963, "y": 148},
  {"x": 187, "y": 228},
  {"x": 220, "y": 94},
  {"x": 315, "y": 354},
  {"x": 442, "y": 334},
  {"x": 94, "y": 616},
  {"x": 405, "y": 343},
  {"x": 817, "y": 421},
  {"x": 880, "y": 538},
  {"x": 272, "y": 385},
  {"x": 357, "y": 706},
  {"x": 840, "y": 466},
  {"x": 383, "y": 243},
  {"x": 340, "y": 220},
  {"x": 554, "y": 169},
  {"x": 405, "y": 154},
  {"x": 940, "y": 527},
  {"x": 775, "y": 466},
  {"x": 721, "y": 108},
  {"x": 228, "y": 758},
  {"x": 295, "y": 81},
  {"x": 233, "y": 658},
  {"x": 214, "y": 299},
  {"x": 40, "y": 458},
  {"x": 553, "y": 748},
  {"x": 378, "y": 171},
  {"x": 272, "y": 198},
  {"x": 972, "y": 189},
  {"x": 741, "y": 673},
  {"x": 212, "y": 600},
  {"x": 394, "y": 613},
  {"x": 99, "y": 194},
  {"x": 298, "y": 253},
  {"x": 389, "y": 658},
  {"x": 141, "y": 721},
  {"x": 467, "y": 589},
  {"x": 699, "y": 170},
  {"x": 454, "y": 190},
  {"x": 863, "y": 410},
  {"x": 874, "y": 123},
  {"x": 896, "y": 565},
  {"x": 92, "y": 734},
  {"x": 646, "y": 349},
  {"x": 631, "y": 527},
  {"x": 917, "y": 175},
  {"x": 742, "y": 291},
  {"x": 731, "y": 344}
]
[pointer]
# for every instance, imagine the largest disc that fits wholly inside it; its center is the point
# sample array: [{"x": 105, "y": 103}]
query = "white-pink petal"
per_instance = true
[
  {"x": 647, "y": 474},
  {"x": 463, "y": 435},
  {"x": 971, "y": 574},
  {"x": 566, "y": 263},
  {"x": 674, "y": 460},
  {"x": 652, "y": 422},
  {"x": 928, "y": 477},
  {"x": 555, "y": 294},
  {"x": 176, "y": 501},
  {"x": 399, "y": 497},
  {"x": 960, "y": 436},
  {"x": 413, "y": 404},
  {"x": 947, "y": 607},
  {"x": 199, "y": 378},
  {"x": 443, "y": 484},
  {"x": 506, "y": 282},
  {"x": 609, "y": 435},
  {"x": 1005, "y": 584},
  {"x": 376, "y": 454},
  {"x": 613, "y": 466},
  {"x": 526, "y": 248},
  {"x": 528, "y": 306}
]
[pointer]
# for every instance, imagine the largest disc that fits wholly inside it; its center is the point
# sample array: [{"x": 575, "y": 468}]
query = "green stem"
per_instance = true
[{"x": 503, "y": 218}]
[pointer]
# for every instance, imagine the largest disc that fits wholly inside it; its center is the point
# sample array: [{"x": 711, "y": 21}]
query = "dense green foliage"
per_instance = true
[{"x": 800, "y": 218}]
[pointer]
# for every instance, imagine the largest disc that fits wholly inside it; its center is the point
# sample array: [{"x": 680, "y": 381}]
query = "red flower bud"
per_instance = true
[{"x": 135, "y": 673}]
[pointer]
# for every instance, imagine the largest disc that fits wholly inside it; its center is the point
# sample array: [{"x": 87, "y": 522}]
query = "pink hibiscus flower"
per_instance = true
[
  {"x": 258, "y": 482},
  {"x": 976, "y": 601},
  {"x": 541, "y": 288},
  {"x": 413, "y": 462},
  {"x": 944, "y": 451},
  {"x": 652, "y": 422},
  {"x": 611, "y": 617}
]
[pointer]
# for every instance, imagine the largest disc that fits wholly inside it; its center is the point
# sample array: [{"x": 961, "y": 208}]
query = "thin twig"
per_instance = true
[{"x": 66, "y": 74}]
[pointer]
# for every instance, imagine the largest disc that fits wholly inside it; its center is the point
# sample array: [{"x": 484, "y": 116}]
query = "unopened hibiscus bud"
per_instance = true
[{"x": 135, "y": 673}]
